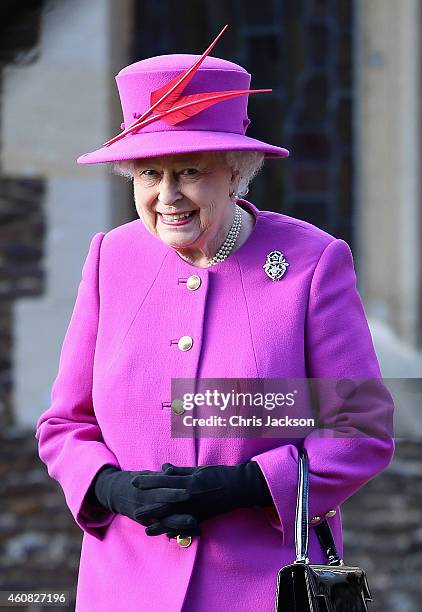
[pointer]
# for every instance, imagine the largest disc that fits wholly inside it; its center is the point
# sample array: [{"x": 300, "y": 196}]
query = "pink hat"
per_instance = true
[{"x": 182, "y": 104}]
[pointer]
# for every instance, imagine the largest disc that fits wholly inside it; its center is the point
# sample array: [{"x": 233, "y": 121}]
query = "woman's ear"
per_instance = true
[{"x": 235, "y": 180}]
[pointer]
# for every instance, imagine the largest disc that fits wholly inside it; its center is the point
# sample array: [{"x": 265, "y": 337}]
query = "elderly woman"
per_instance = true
[{"x": 203, "y": 285}]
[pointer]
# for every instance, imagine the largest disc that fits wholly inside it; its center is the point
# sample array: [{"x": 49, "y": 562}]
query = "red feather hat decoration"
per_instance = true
[{"x": 170, "y": 105}]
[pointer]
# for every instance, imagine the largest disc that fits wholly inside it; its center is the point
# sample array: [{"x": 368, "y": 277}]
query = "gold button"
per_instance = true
[
  {"x": 177, "y": 406},
  {"x": 330, "y": 513},
  {"x": 315, "y": 519},
  {"x": 184, "y": 542},
  {"x": 185, "y": 343},
  {"x": 193, "y": 282}
]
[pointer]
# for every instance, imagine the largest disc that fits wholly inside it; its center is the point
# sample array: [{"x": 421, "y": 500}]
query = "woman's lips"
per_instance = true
[{"x": 178, "y": 223}]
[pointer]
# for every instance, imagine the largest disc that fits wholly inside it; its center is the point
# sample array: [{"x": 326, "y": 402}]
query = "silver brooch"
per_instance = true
[{"x": 275, "y": 265}]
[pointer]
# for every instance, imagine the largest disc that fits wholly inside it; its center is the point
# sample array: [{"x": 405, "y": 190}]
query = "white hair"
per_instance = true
[{"x": 246, "y": 163}]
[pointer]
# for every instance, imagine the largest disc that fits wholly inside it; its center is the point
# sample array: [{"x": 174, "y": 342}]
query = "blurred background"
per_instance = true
[{"x": 346, "y": 79}]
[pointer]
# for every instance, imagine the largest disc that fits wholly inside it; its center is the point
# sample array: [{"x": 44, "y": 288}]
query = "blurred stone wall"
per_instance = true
[
  {"x": 22, "y": 227},
  {"x": 21, "y": 200},
  {"x": 383, "y": 531}
]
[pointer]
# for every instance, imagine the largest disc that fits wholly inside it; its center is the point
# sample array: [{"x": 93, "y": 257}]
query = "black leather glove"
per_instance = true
[
  {"x": 112, "y": 488},
  {"x": 210, "y": 490}
]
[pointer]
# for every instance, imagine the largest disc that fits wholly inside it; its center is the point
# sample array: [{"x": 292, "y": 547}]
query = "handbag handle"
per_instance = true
[{"x": 323, "y": 530}]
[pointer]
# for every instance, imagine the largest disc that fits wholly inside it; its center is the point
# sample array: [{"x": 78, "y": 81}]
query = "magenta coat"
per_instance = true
[{"x": 110, "y": 405}]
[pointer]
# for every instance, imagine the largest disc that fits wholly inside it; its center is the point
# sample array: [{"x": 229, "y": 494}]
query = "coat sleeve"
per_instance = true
[
  {"x": 338, "y": 345},
  {"x": 70, "y": 442}
]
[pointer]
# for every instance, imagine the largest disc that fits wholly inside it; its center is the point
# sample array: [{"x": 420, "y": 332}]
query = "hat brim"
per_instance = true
[{"x": 153, "y": 144}]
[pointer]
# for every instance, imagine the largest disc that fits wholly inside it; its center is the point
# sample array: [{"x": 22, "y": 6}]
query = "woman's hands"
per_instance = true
[
  {"x": 177, "y": 499},
  {"x": 206, "y": 491},
  {"x": 112, "y": 488}
]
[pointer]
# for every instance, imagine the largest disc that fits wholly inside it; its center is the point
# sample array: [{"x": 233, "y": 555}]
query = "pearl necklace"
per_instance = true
[{"x": 227, "y": 246}]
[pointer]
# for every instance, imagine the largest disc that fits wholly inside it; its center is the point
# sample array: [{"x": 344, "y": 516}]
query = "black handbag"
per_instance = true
[{"x": 307, "y": 587}]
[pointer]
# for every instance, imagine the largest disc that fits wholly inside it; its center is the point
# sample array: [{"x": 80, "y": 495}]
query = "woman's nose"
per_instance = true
[{"x": 168, "y": 191}]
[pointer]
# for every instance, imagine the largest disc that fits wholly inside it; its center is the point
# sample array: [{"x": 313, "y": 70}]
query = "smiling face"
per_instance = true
[{"x": 198, "y": 184}]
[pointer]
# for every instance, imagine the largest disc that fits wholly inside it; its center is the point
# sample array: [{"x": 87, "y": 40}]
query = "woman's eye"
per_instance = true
[{"x": 151, "y": 173}]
